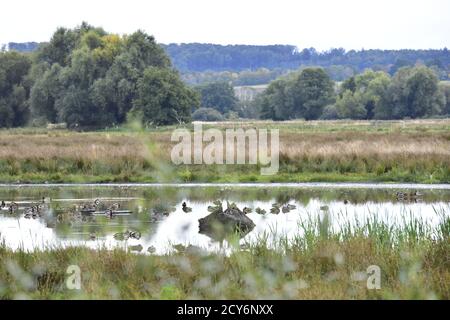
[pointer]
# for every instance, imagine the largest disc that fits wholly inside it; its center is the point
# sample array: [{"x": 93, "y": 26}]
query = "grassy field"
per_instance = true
[
  {"x": 413, "y": 258},
  {"x": 385, "y": 151}
]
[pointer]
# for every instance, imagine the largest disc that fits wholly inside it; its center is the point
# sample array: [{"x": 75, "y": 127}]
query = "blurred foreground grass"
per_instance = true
[{"x": 414, "y": 259}]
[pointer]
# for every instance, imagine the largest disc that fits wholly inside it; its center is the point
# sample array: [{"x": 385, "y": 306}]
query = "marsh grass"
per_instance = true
[
  {"x": 407, "y": 151},
  {"x": 322, "y": 262}
]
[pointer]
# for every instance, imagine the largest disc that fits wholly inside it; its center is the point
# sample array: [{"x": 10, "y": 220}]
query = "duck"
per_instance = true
[
  {"x": 134, "y": 234},
  {"x": 288, "y": 207},
  {"x": 275, "y": 208},
  {"x": 291, "y": 206},
  {"x": 408, "y": 195},
  {"x": 260, "y": 211},
  {"x": 247, "y": 210},
  {"x": 185, "y": 208},
  {"x": 13, "y": 207},
  {"x": 115, "y": 206},
  {"x": 3, "y": 204}
]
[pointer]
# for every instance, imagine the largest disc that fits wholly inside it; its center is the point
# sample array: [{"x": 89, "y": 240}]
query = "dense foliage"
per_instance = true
[
  {"x": 301, "y": 96},
  {"x": 413, "y": 92},
  {"x": 88, "y": 78},
  {"x": 219, "y": 96},
  {"x": 14, "y": 89}
]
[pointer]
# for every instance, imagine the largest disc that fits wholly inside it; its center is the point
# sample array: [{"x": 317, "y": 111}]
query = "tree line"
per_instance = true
[
  {"x": 88, "y": 78},
  {"x": 412, "y": 92},
  {"x": 251, "y": 64},
  {"x": 198, "y": 57}
]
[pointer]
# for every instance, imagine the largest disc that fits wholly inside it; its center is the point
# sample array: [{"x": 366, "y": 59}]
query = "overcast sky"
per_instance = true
[{"x": 323, "y": 24}]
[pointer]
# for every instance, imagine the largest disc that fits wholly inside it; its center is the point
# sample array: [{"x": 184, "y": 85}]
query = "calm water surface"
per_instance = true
[{"x": 155, "y": 211}]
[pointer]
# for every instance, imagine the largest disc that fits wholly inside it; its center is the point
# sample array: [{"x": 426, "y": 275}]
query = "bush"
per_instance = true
[
  {"x": 330, "y": 113},
  {"x": 207, "y": 114}
]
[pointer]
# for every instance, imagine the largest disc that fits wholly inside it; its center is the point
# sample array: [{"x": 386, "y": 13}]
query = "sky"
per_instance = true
[{"x": 323, "y": 24}]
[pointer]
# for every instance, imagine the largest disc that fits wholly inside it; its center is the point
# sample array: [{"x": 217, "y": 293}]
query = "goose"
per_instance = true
[{"x": 185, "y": 208}]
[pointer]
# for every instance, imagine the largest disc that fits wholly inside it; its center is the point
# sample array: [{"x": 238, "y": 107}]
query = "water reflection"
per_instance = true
[{"x": 157, "y": 214}]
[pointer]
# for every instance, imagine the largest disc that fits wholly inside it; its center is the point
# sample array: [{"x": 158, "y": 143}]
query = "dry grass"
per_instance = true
[{"x": 382, "y": 149}]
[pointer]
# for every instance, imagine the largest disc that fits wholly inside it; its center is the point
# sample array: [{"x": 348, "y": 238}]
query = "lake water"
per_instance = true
[{"x": 155, "y": 212}]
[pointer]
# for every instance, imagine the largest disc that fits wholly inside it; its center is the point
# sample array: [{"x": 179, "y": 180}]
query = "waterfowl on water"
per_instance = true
[
  {"x": 260, "y": 211},
  {"x": 13, "y": 207},
  {"x": 408, "y": 195},
  {"x": 185, "y": 208},
  {"x": 3, "y": 204},
  {"x": 247, "y": 210},
  {"x": 275, "y": 208},
  {"x": 109, "y": 213},
  {"x": 288, "y": 207}
]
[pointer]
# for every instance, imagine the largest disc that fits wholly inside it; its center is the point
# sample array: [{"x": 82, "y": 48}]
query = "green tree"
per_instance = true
[
  {"x": 219, "y": 96},
  {"x": 14, "y": 89},
  {"x": 351, "y": 106},
  {"x": 162, "y": 98},
  {"x": 207, "y": 114},
  {"x": 88, "y": 78},
  {"x": 414, "y": 93},
  {"x": 273, "y": 101},
  {"x": 44, "y": 94},
  {"x": 310, "y": 92},
  {"x": 445, "y": 89}
]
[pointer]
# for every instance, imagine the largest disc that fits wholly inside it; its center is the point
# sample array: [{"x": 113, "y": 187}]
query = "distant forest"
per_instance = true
[{"x": 249, "y": 65}]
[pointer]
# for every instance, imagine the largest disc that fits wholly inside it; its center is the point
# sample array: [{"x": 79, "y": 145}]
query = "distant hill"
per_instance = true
[
  {"x": 339, "y": 63},
  {"x": 23, "y": 46},
  {"x": 198, "y": 57}
]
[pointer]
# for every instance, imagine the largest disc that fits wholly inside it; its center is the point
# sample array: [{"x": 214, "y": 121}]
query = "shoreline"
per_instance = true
[{"x": 306, "y": 185}]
